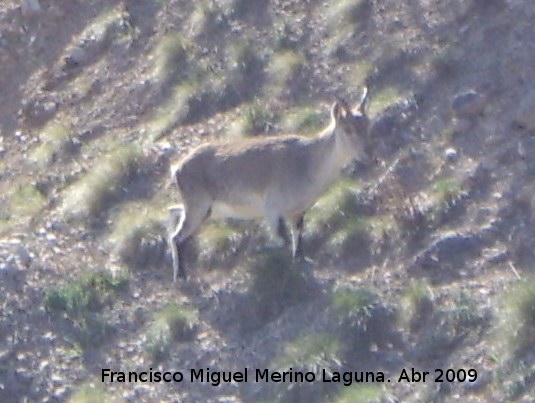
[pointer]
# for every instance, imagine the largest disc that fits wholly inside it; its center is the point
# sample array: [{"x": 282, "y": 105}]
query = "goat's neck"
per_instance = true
[
  {"x": 332, "y": 149},
  {"x": 331, "y": 154}
]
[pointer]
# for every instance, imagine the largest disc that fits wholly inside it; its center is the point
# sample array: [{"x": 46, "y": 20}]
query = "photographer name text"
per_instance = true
[{"x": 347, "y": 378}]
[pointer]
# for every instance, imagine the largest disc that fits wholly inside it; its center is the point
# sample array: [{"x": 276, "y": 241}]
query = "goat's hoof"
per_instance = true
[{"x": 179, "y": 276}]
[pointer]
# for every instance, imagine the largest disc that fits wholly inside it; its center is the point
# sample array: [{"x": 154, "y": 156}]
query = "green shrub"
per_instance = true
[
  {"x": 218, "y": 240},
  {"x": 353, "y": 304},
  {"x": 90, "y": 394},
  {"x": 277, "y": 285},
  {"x": 353, "y": 235},
  {"x": 25, "y": 201},
  {"x": 359, "y": 394},
  {"x": 416, "y": 304},
  {"x": 382, "y": 99},
  {"x": 446, "y": 193},
  {"x": 139, "y": 234},
  {"x": 171, "y": 57},
  {"x": 283, "y": 69},
  {"x": 82, "y": 302},
  {"x": 55, "y": 138},
  {"x": 88, "y": 293},
  {"x": 312, "y": 352},
  {"x": 333, "y": 208},
  {"x": 517, "y": 324},
  {"x": 103, "y": 184},
  {"x": 172, "y": 323},
  {"x": 303, "y": 119},
  {"x": 208, "y": 19},
  {"x": 255, "y": 119},
  {"x": 174, "y": 110}
]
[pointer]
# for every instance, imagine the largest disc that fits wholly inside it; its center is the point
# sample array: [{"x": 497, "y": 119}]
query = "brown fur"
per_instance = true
[{"x": 278, "y": 177}]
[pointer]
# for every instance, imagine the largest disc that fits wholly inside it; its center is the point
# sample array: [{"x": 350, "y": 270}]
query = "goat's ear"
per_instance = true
[
  {"x": 338, "y": 110},
  {"x": 360, "y": 108}
]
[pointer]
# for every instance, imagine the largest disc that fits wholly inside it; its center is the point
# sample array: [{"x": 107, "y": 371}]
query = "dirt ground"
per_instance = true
[{"x": 421, "y": 260}]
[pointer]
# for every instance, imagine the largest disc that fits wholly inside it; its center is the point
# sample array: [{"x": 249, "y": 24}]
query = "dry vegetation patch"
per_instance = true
[
  {"x": 88, "y": 88},
  {"x": 103, "y": 184}
]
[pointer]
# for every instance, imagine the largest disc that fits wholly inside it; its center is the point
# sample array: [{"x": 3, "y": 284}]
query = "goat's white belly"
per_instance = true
[{"x": 251, "y": 206}]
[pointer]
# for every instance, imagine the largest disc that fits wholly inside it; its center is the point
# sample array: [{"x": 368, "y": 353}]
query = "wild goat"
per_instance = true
[{"x": 278, "y": 177}]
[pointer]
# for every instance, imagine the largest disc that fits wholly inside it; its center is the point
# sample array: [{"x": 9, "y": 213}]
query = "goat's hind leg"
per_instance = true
[
  {"x": 282, "y": 231},
  {"x": 279, "y": 230},
  {"x": 190, "y": 220},
  {"x": 297, "y": 225},
  {"x": 174, "y": 242}
]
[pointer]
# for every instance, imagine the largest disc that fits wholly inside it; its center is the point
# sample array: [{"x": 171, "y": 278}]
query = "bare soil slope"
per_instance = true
[{"x": 422, "y": 260}]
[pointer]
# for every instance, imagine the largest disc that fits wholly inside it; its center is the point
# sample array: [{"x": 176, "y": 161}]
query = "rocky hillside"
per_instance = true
[{"x": 419, "y": 261}]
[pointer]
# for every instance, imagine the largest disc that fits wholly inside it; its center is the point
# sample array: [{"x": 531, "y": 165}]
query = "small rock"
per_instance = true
[
  {"x": 24, "y": 256},
  {"x": 48, "y": 337},
  {"x": 76, "y": 57},
  {"x": 483, "y": 378},
  {"x": 141, "y": 390},
  {"x": 57, "y": 379},
  {"x": 129, "y": 395},
  {"x": 469, "y": 104},
  {"x": 495, "y": 255},
  {"x": 60, "y": 393},
  {"x": 427, "y": 261},
  {"x": 43, "y": 365},
  {"x": 50, "y": 107},
  {"x": 383, "y": 127},
  {"x": 451, "y": 154},
  {"x": 449, "y": 248},
  {"x": 35, "y": 113}
]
